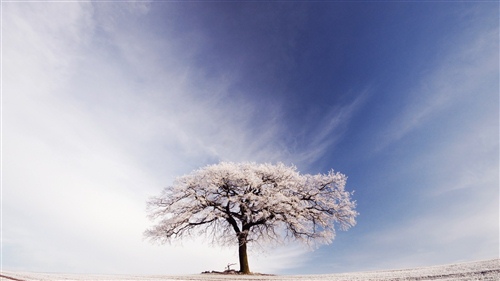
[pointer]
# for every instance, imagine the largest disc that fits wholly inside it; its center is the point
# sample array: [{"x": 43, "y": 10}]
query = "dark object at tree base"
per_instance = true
[{"x": 234, "y": 272}]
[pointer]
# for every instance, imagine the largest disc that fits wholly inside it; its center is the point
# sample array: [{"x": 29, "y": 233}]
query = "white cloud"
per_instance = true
[
  {"x": 93, "y": 125},
  {"x": 325, "y": 133},
  {"x": 451, "y": 173},
  {"x": 469, "y": 160},
  {"x": 441, "y": 236},
  {"x": 279, "y": 259},
  {"x": 467, "y": 71}
]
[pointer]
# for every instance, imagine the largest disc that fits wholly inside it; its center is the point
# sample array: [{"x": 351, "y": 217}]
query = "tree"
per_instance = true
[{"x": 248, "y": 202}]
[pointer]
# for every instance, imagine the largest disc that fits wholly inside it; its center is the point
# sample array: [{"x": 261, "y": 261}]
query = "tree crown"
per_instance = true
[{"x": 255, "y": 201}]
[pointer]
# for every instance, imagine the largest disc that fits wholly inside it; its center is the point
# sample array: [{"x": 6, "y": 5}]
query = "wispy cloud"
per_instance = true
[
  {"x": 445, "y": 179},
  {"x": 95, "y": 121},
  {"x": 437, "y": 236},
  {"x": 102, "y": 109},
  {"x": 322, "y": 133},
  {"x": 466, "y": 71}
]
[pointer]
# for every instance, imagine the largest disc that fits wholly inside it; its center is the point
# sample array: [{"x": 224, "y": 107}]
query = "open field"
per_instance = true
[{"x": 481, "y": 270}]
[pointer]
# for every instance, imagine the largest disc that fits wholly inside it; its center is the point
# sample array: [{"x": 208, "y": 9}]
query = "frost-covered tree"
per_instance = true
[{"x": 238, "y": 203}]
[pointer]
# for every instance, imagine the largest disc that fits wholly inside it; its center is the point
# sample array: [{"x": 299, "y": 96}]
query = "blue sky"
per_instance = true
[{"x": 106, "y": 103}]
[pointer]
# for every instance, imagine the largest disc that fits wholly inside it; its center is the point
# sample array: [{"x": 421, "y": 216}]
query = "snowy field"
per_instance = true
[{"x": 482, "y": 270}]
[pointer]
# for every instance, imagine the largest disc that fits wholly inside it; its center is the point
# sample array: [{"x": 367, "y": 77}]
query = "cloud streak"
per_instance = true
[
  {"x": 468, "y": 71},
  {"x": 106, "y": 103},
  {"x": 446, "y": 145},
  {"x": 95, "y": 122}
]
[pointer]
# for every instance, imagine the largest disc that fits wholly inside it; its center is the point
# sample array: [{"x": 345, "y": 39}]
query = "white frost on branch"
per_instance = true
[{"x": 265, "y": 202}]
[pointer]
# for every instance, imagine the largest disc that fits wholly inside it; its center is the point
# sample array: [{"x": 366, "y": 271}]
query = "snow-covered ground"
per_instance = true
[{"x": 481, "y": 270}]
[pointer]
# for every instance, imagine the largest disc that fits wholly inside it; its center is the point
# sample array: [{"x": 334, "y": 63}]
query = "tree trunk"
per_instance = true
[{"x": 242, "y": 251}]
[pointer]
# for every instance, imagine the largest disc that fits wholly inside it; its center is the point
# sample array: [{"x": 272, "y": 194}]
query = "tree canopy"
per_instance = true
[{"x": 238, "y": 203}]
